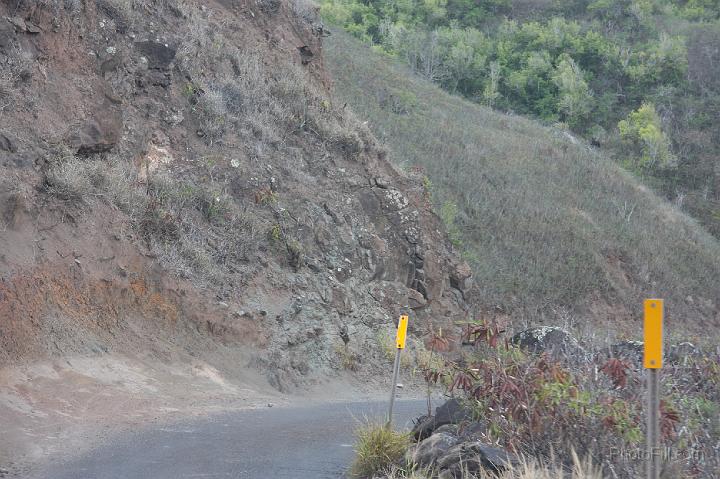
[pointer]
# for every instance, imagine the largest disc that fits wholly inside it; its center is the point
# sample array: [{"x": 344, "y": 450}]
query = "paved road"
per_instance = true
[{"x": 309, "y": 442}]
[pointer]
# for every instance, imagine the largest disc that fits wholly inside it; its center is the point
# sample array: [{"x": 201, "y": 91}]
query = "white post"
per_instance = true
[
  {"x": 653, "y": 424},
  {"x": 396, "y": 372},
  {"x": 400, "y": 345}
]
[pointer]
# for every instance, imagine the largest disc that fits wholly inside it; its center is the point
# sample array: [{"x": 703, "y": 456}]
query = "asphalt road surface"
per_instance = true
[{"x": 308, "y": 442}]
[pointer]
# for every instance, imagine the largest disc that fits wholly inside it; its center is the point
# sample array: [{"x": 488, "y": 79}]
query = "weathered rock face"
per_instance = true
[{"x": 211, "y": 152}]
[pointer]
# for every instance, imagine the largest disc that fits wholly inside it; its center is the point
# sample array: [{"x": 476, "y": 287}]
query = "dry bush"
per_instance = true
[
  {"x": 128, "y": 14},
  {"x": 261, "y": 103},
  {"x": 12, "y": 70},
  {"x": 82, "y": 181},
  {"x": 189, "y": 220},
  {"x": 70, "y": 6},
  {"x": 70, "y": 179}
]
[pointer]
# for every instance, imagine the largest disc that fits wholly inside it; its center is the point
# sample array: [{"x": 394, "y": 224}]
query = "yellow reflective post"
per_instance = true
[
  {"x": 402, "y": 332},
  {"x": 653, "y": 333},
  {"x": 400, "y": 339},
  {"x": 653, "y": 339}
]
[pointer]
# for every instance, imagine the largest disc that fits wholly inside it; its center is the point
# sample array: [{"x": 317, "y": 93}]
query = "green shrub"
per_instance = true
[{"x": 643, "y": 131}]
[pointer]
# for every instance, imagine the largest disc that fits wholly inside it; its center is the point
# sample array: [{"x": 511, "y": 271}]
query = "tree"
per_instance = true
[
  {"x": 643, "y": 131},
  {"x": 574, "y": 95}
]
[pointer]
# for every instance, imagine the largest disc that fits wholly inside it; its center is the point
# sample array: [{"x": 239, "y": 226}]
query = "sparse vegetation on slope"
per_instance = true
[
  {"x": 588, "y": 64},
  {"x": 552, "y": 228}
]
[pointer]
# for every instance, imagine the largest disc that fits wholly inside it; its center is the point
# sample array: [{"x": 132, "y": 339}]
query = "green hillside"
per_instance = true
[
  {"x": 639, "y": 77},
  {"x": 554, "y": 231}
]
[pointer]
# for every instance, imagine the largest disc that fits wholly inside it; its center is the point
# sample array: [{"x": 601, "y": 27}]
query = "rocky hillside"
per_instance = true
[{"x": 175, "y": 178}]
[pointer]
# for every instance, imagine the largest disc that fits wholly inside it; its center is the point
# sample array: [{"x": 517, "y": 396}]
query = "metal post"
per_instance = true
[
  {"x": 396, "y": 371},
  {"x": 653, "y": 424},
  {"x": 652, "y": 360}
]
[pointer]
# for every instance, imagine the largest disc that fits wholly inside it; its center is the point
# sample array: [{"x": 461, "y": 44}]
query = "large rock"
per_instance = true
[
  {"x": 472, "y": 457},
  {"x": 683, "y": 353},
  {"x": 630, "y": 351},
  {"x": 548, "y": 339},
  {"x": 429, "y": 451},
  {"x": 461, "y": 277},
  {"x": 452, "y": 412},
  {"x": 99, "y": 134},
  {"x": 159, "y": 55}
]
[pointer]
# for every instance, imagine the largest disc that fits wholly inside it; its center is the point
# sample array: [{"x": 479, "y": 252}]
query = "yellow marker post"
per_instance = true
[
  {"x": 402, "y": 332},
  {"x": 652, "y": 360},
  {"x": 653, "y": 332},
  {"x": 400, "y": 339}
]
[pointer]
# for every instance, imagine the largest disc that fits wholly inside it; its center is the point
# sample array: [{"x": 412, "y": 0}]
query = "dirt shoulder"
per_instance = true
[
  {"x": 58, "y": 409},
  {"x": 67, "y": 406}
]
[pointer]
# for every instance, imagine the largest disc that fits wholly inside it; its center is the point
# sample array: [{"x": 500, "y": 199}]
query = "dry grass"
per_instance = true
[
  {"x": 11, "y": 73},
  {"x": 526, "y": 470},
  {"x": 193, "y": 225},
  {"x": 547, "y": 223},
  {"x": 377, "y": 449},
  {"x": 251, "y": 96}
]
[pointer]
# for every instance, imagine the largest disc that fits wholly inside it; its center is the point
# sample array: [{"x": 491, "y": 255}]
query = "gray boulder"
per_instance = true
[
  {"x": 549, "y": 339},
  {"x": 429, "y": 450},
  {"x": 631, "y": 351},
  {"x": 683, "y": 353},
  {"x": 452, "y": 412},
  {"x": 472, "y": 457},
  {"x": 159, "y": 55},
  {"x": 99, "y": 134}
]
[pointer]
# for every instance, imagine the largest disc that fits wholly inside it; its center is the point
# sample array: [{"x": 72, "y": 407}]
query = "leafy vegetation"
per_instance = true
[
  {"x": 590, "y": 66},
  {"x": 548, "y": 225},
  {"x": 557, "y": 409},
  {"x": 597, "y": 408}
]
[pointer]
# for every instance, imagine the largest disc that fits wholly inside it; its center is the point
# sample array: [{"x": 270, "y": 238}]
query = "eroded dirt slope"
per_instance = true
[{"x": 178, "y": 188}]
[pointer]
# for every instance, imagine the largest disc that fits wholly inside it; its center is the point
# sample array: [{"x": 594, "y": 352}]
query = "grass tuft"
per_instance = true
[{"x": 377, "y": 449}]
